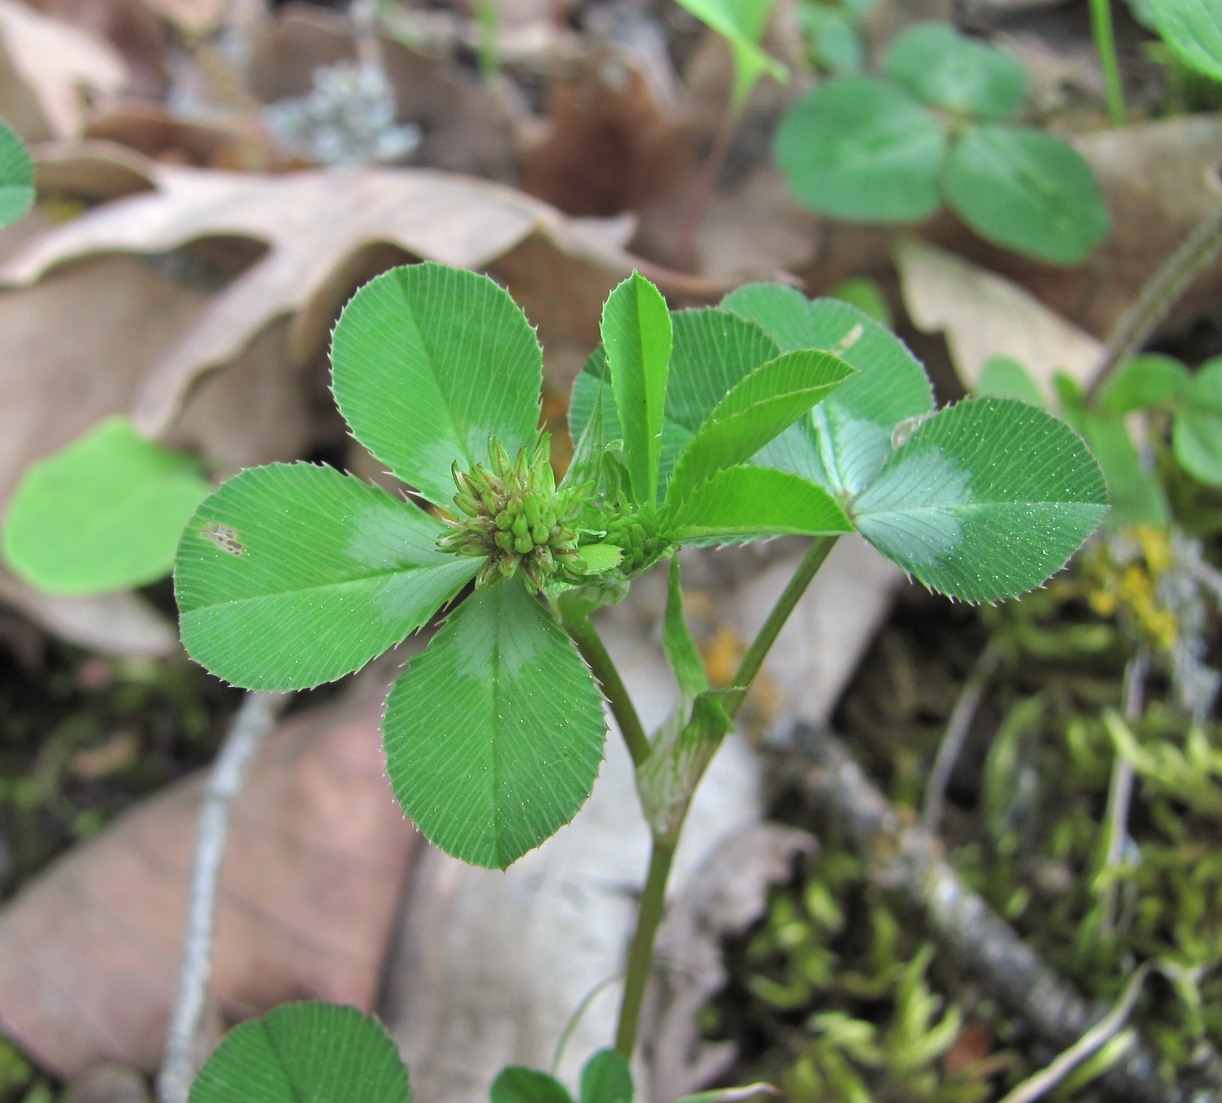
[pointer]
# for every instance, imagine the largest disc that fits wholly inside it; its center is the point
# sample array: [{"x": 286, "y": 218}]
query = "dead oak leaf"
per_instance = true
[{"x": 325, "y": 231}]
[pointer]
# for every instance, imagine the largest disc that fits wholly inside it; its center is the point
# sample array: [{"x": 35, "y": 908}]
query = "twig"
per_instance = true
[
  {"x": 907, "y": 859},
  {"x": 1065, "y": 1062},
  {"x": 1160, "y": 293},
  {"x": 1120, "y": 787},
  {"x": 956, "y": 732},
  {"x": 246, "y": 733}
]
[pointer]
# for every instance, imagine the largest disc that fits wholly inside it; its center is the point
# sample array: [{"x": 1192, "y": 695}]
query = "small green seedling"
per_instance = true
[
  {"x": 16, "y": 177},
  {"x": 768, "y": 415},
  {"x": 938, "y": 131},
  {"x": 742, "y": 24}
]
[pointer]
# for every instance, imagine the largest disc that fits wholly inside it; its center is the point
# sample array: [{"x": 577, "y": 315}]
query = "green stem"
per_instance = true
[
  {"x": 640, "y": 952},
  {"x": 594, "y": 651},
  {"x": 818, "y": 551},
  {"x": 1105, "y": 46}
]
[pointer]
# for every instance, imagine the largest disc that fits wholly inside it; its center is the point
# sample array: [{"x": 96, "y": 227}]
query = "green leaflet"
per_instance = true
[
  {"x": 428, "y": 363},
  {"x": 103, "y": 513},
  {"x": 1193, "y": 29},
  {"x": 494, "y": 735},
  {"x": 745, "y": 502},
  {"x": 292, "y": 575},
  {"x": 304, "y": 1053},
  {"x": 984, "y": 499},
  {"x": 1197, "y": 432},
  {"x": 636, "y": 334},
  {"x": 518, "y": 1084},
  {"x": 848, "y": 436},
  {"x": 1026, "y": 190},
  {"x": 742, "y": 25},
  {"x": 16, "y": 177},
  {"x": 606, "y": 1078},
  {"x": 756, "y": 409},
  {"x": 857, "y": 148},
  {"x": 940, "y": 66}
]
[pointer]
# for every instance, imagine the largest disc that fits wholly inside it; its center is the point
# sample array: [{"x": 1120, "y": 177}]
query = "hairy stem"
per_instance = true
[
  {"x": 640, "y": 951},
  {"x": 815, "y": 556},
  {"x": 1105, "y": 46},
  {"x": 242, "y": 742},
  {"x": 594, "y": 651}
]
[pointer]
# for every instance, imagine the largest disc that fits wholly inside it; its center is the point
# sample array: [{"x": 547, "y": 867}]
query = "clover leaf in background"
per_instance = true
[
  {"x": 103, "y": 513},
  {"x": 938, "y": 132},
  {"x": 16, "y": 177},
  {"x": 1193, "y": 30}
]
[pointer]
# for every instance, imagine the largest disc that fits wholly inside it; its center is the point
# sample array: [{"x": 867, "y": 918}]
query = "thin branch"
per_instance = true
[
  {"x": 1065, "y": 1062},
  {"x": 908, "y": 860},
  {"x": 1158, "y": 295},
  {"x": 246, "y": 733},
  {"x": 1120, "y": 786},
  {"x": 956, "y": 732}
]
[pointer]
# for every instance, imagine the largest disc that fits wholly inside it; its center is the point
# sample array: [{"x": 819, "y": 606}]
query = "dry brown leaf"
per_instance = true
[
  {"x": 48, "y": 72},
  {"x": 325, "y": 231},
  {"x": 983, "y": 314},
  {"x": 312, "y": 877}
]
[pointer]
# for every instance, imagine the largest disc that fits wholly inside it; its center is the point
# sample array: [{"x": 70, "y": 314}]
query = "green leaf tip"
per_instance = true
[{"x": 305, "y": 1052}]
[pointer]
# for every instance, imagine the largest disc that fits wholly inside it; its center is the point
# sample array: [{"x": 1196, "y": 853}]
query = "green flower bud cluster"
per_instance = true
[
  {"x": 512, "y": 513},
  {"x": 634, "y": 537}
]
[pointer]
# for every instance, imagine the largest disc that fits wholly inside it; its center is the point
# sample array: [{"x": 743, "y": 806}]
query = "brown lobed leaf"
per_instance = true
[
  {"x": 983, "y": 315},
  {"x": 311, "y": 881},
  {"x": 325, "y": 232}
]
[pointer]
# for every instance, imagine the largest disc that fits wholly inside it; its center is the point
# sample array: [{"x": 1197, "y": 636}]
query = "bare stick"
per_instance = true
[
  {"x": 250, "y": 727},
  {"x": 1120, "y": 787},
  {"x": 1159, "y": 294},
  {"x": 908, "y": 860},
  {"x": 956, "y": 732}
]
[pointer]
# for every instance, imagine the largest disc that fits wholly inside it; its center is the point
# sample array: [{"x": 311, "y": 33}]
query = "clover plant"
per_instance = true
[
  {"x": 940, "y": 130},
  {"x": 768, "y": 415},
  {"x": 1193, "y": 30}
]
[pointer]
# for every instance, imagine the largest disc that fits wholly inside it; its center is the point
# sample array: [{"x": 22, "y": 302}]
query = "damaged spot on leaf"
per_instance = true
[{"x": 224, "y": 537}]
